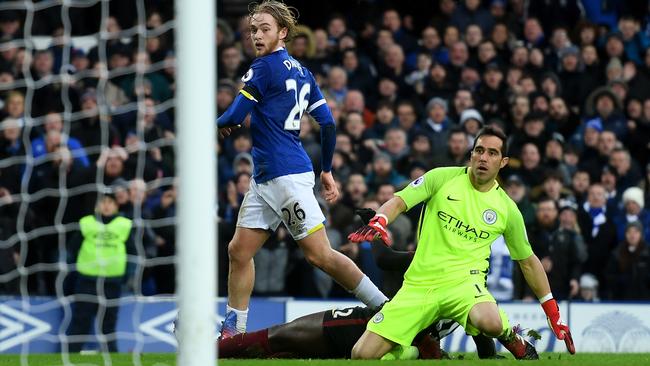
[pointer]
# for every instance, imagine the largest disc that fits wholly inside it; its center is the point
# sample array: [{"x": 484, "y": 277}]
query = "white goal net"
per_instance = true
[{"x": 87, "y": 177}]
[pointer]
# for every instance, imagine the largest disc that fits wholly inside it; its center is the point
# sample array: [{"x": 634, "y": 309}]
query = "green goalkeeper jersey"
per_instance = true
[{"x": 458, "y": 225}]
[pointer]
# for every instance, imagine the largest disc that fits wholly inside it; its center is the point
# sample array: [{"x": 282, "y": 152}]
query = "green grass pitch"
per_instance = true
[{"x": 168, "y": 359}]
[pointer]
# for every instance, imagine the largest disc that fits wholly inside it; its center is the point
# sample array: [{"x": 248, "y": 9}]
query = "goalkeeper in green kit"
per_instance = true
[{"x": 465, "y": 210}]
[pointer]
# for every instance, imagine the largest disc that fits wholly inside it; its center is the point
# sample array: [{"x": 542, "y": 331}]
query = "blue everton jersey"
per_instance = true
[{"x": 283, "y": 90}]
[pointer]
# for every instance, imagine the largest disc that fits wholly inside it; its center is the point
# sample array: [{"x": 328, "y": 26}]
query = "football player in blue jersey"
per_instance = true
[{"x": 277, "y": 91}]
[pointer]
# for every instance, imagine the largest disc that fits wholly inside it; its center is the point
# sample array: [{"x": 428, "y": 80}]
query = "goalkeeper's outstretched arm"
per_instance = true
[
  {"x": 392, "y": 208},
  {"x": 536, "y": 278}
]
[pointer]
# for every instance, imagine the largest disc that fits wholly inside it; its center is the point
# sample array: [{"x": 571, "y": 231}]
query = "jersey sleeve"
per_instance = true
[
  {"x": 515, "y": 234},
  {"x": 317, "y": 105},
  {"x": 316, "y": 100},
  {"x": 427, "y": 185},
  {"x": 256, "y": 80}
]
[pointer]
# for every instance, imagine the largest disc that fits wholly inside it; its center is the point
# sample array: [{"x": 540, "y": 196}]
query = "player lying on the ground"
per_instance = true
[
  {"x": 333, "y": 333},
  {"x": 329, "y": 334}
]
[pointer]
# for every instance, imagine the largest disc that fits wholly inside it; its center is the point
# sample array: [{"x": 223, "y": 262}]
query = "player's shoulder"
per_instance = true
[
  {"x": 259, "y": 68},
  {"x": 267, "y": 62},
  {"x": 447, "y": 172},
  {"x": 503, "y": 197}
]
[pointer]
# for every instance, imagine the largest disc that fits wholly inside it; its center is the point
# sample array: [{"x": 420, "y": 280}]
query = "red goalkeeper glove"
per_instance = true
[
  {"x": 560, "y": 329},
  {"x": 376, "y": 227}
]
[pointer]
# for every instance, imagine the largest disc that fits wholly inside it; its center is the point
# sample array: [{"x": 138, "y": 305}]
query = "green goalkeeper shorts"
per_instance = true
[{"x": 414, "y": 308}]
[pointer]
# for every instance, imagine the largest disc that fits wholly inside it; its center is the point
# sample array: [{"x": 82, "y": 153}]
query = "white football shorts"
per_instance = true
[{"x": 289, "y": 199}]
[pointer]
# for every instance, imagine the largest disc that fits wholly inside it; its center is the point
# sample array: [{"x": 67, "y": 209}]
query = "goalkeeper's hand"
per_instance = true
[
  {"x": 375, "y": 227},
  {"x": 560, "y": 329},
  {"x": 366, "y": 214}
]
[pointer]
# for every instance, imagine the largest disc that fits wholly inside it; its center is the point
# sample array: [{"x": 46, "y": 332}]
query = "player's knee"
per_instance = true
[
  {"x": 236, "y": 254},
  {"x": 492, "y": 326},
  {"x": 318, "y": 258},
  {"x": 359, "y": 353}
]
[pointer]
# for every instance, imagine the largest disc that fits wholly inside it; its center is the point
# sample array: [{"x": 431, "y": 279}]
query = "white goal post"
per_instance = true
[{"x": 196, "y": 234}]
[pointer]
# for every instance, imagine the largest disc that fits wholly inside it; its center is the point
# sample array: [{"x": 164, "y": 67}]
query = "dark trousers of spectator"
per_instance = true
[
  {"x": 42, "y": 250},
  {"x": 85, "y": 309}
]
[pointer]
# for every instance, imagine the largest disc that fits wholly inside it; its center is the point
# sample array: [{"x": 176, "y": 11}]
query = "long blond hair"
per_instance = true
[{"x": 286, "y": 16}]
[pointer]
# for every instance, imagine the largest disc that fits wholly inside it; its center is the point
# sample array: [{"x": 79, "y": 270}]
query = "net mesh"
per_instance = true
[{"x": 88, "y": 100}]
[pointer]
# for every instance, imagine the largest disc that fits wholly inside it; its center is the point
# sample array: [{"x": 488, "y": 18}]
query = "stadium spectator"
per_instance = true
[
  {"x": 471, "y": 122},
  {"x": 436, "y": 125},
  {"x": 519, "y": 109},
  {"x": 359, "y": 70},
  {"x": 100, "y": 252},
  {"x": 354, "y": 101},
  {"x": 89, "y": 129},
  {"x": 438, "y": 84},
  {"x": 164, "y": 272},
  {"x": 471, "y": 12},
  {"x": 58, "y": 171},
  {"x": 355, "y": 192},
  {"x": 627, "y": 171},
  {"x": 588, "y": 288},
  {"x": 10, "y": 21},
  {"x": 502, "y": 40},
  {"x": 604, "y": 104},
  {"x": 226, "y": 92},
  {"x": 531, "y": 170},
  {"x": 598, "y": 232},
  {"x": 608, "y": 178},
  {"x": 634, "y": 41},
  {"x": 9, "y": 254},
  {"x": 628, "y": 266},
  {"x": 382, "y": 172},
  {"x": 594, "y": 158},
  {"x": 633, "y": 210},
  {"x": 396, "y": 145},
  {"x": 560, "y": 118},
  {"x": 14, "y": 105},
  {"x": 160, "y": 88},
  {"x": 539, "y": 234},
  {"x": 457, "y": 152},
  {"x": 551, "y": 188},
  {"x": 554, "y": 158},
  {"x": 579, "y": 185},
  {"x": 11, "y": 144},
  {"x": 309, "y": 142},
  {"x": 392, "y": 66},
  {"x": 517, "y": 191},
  {"x": 566, "y": 252},
  {"x": 271, "y": 267},
  {"x": 442, "y": 16},
  {"x": 430, "y": 44},
  {"x": 54, "y": 122},
  {"x": 232, "y": 65},
  {"x": 407, "y": 118},
  {"x": 392, "y": 21},
  {"x": 337, "y": 80},
  {"x": 138, "y": 208},
  {"x": 492, "y": 92}
]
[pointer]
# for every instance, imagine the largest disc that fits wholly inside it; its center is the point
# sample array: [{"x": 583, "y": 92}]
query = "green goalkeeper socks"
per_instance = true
[{"x": 400, "y": 352}]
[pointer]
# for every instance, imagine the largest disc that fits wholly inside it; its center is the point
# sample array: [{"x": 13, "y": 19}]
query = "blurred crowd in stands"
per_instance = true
[{"x": 409, "y": 89}]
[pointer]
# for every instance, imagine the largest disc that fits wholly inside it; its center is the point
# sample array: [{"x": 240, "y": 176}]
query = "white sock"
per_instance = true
[
  {"x": 369, "y": 294},
  {"x": 242, "y": 318}
]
